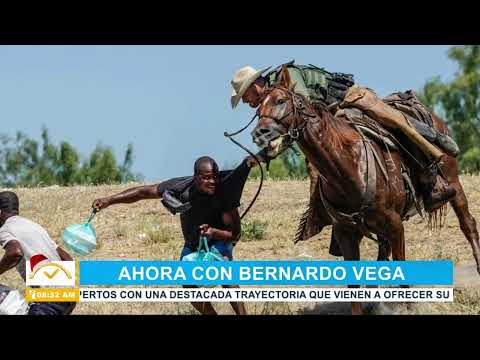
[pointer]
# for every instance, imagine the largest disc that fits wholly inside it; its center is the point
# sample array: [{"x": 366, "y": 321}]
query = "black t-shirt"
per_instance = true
[{"x": 206, "y": 209}]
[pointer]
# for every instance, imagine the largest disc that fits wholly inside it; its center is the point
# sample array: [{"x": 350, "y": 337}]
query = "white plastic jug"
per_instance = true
[
  {"x": 11, "y": 302},
  {"x": 81, "y": 238}
]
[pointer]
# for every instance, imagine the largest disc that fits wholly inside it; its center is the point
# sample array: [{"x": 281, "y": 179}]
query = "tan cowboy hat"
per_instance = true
[{"x": 242, "y": 79}]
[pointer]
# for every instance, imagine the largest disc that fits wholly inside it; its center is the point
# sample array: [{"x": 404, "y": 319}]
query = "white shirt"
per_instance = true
[{"x": 33, "y": 239}]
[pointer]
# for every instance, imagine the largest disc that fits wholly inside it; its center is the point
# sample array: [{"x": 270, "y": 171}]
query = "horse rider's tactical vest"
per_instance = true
[{"x": 316, "y": 84}]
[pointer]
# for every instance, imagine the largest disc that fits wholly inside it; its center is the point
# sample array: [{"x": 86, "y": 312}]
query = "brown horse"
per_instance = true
[
  {"x": 358, "y": 199},
  {"x": 315, "y": 218}
]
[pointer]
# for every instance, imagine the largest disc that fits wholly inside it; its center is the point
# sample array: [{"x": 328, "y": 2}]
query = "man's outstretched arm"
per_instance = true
[{"x": 128, "y": 196}]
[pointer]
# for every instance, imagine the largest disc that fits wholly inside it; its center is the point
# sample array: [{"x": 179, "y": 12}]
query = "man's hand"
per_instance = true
[
  {"x": 100, "y": 204},
  {"x": 261, "y": 156},
  {"x": 206, "y": 230},
  {"x": 251, "y": 162},
  {"x": 232, "y": 220}
]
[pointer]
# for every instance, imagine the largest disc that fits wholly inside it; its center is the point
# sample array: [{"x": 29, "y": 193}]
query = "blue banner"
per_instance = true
[{"x": 122, "y": 272}]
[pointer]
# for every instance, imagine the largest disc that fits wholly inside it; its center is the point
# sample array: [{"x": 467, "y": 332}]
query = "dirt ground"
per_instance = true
[{"x": 145, "y": 230}]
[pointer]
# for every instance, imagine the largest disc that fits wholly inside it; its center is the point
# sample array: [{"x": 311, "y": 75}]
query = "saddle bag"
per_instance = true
[
  {"x": 319, "y": 85},
  {"x": 408, "y": 103},
  {"x": 367, "y": 101}
]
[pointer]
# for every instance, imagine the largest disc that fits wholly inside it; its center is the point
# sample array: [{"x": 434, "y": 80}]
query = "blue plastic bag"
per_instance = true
[
  {"x": 203, "y": 252},
  {"x": 81, "y": 239}
]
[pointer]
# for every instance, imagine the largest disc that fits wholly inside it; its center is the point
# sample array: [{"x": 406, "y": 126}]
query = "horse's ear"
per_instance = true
[{"x": 285, "y": 80}]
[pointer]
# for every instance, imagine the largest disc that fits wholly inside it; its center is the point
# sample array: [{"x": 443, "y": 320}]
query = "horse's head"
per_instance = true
[{"x": 277, "y": 116}]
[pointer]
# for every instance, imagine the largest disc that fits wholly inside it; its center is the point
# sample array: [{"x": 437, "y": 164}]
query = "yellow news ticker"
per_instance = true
[{"x": 52, "y": 295}]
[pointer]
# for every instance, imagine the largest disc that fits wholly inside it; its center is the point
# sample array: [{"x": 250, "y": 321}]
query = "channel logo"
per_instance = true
[{"x": 42, "y": 272}]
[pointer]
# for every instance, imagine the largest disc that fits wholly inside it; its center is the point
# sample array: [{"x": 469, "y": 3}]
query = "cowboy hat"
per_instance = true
[{"x": 242, "y": 79}]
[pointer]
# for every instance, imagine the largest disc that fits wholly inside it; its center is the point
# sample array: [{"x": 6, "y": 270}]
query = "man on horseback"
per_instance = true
[{"x": 338, "y": 90}]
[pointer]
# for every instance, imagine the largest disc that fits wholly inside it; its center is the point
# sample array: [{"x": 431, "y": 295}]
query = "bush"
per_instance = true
[
  {"x": 159, "y": 234},
  {"x": 253, "y": 230}
]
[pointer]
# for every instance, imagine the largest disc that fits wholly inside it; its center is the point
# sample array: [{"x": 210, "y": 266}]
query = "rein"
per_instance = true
[
  {"x": 230, "y": 136},
  {"x": 293, "y": 135}
]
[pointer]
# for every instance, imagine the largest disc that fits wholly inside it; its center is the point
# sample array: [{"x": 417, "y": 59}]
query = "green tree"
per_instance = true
[
  {"x": 126, "y": 174},
  {"x": 19, "y": 157},
  {"x": 294, "y": 163},
  {"x": 458, "y": 103},
  {"x": 287, "y": 165},
  {"x": 68, "y": 164},
  {"x": 23, "y": 164},
  {"x": 45, "y": 171},
  {"x": 101, "y": 168}
]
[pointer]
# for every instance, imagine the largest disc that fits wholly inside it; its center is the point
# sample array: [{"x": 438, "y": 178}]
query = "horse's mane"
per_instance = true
[{"x": 339, "y": 133}]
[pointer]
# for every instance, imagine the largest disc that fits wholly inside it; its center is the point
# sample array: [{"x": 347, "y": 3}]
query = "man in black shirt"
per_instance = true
[{"x": 208, "y": 204}]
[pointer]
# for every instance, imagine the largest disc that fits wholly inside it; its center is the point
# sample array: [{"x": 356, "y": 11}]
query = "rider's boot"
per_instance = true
[{"x": 446, "y": 143}]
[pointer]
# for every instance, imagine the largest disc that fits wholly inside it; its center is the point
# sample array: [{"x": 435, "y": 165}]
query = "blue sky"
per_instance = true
[{"x": 173, "y": 102}]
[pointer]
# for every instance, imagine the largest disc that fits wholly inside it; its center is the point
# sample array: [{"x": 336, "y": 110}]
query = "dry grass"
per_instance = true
[{"x": 145, "y": 230}]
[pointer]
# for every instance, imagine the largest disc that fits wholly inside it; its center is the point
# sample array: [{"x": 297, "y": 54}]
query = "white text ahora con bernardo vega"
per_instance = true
[{"x": 260, "y": 273}]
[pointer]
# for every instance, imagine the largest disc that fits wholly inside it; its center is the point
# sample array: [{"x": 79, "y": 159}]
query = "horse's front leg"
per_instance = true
[{"x": 348, "y": 239}]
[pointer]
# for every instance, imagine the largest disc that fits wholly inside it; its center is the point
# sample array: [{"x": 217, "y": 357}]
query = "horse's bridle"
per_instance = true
[
  {"x": 298, "y": 108},
  {"x": 293, "y": 135}
]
